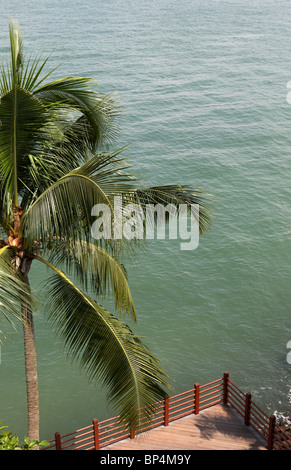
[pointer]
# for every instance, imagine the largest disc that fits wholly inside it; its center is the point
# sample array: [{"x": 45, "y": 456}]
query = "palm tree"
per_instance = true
[{"x": 52, "y": 173}]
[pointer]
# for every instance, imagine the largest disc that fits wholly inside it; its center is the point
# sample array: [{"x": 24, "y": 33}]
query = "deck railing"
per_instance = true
[{"x": 223, "y": 390}]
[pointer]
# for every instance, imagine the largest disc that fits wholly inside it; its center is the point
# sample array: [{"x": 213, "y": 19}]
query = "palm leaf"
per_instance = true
[
  {"x": 63, "y": 210},
  {"x": 110, "y": 172},
  {"x": 16, "y": 52},
  {"x": 22, "y": 132},
  {"x": 13, "y": 290},
  {"x": 97, "y": 112},
  {"x": 175, "y": 195},
  {"x": 95, "y": 268},
  {"x": 106, "y": 349}
]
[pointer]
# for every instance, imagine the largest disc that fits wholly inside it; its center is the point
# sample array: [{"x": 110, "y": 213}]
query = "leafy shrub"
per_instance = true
[{"x": 9, "y": 441}]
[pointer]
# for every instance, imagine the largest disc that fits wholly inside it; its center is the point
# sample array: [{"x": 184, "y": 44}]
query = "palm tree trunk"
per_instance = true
[{"x": 30, "y": 363}]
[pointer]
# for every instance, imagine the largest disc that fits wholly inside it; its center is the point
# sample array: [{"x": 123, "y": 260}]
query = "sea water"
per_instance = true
[{"x": 203, "y": 86}]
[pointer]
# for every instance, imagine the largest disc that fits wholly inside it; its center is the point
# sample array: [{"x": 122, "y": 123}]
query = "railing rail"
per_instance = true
[{"x": 223, "y": 390}]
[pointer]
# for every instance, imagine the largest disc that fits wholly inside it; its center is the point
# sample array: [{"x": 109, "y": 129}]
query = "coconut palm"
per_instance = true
[{"x": 52, "y": 173}]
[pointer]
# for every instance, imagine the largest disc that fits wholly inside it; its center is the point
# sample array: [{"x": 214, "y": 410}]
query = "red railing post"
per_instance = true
[
  {"x": 166, "y": 411},
  {"x": 248, "y": 403},
  {"x": 271, "y": 435},
  {"x": 96, "y": 434},
  {"x": 196, "y": 398},
  {"x": 225, "y": 388},
  {"x": 132, "y": 431},
  {"x": 58, "y": 441}
]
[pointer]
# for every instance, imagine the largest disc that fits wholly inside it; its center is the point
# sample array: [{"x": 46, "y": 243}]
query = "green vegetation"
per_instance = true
[
  {"x": 9, "y": 441},
  {"x": 52, "y": 173}
]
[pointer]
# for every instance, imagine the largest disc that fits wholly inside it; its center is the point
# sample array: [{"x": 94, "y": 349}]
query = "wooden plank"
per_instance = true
[{"x": 217, "y": 428}]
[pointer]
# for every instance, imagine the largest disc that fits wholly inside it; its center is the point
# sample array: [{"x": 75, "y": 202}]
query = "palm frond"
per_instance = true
[
  {"x": 63, "y": 210},
  {"x": 175, "y": 195},
  {"x": 31, "y": 77},
  {"x": 111, "y": 173},
  {"x": 13, "y": 290},
  {"x": 16, "y": 51},
  {"x": 95, "y": 268},
  {"x": 96, "y": 122},
  {"x": 22, "y": 132},
  {"x": 106, "y": 349}
]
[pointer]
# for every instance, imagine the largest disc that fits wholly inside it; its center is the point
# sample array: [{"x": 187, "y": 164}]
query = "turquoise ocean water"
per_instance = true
[{"x": 204, "y": 89}]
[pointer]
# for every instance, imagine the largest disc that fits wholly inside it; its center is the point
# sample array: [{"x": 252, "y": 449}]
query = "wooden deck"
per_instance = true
[{"x": 216, "y": 428}]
